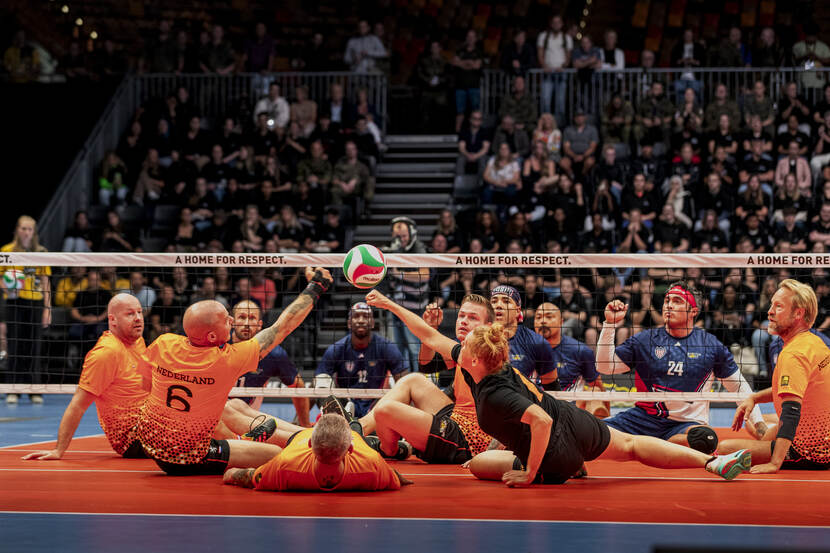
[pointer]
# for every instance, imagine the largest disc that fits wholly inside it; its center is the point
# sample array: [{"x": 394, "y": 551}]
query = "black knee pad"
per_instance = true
[{"x": 703, "y": 438}]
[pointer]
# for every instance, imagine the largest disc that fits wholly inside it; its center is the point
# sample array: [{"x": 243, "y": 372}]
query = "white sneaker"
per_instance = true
[
  {"x": 12, "y": 398},
  {"x": 730, "y": 466},
  {"x": 36, "y": 399}
]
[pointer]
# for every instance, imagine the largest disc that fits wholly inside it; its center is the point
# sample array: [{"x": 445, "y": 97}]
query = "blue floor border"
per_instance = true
[{"x": 76, "y": 533}]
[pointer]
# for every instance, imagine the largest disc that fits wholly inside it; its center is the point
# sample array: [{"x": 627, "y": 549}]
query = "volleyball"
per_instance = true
[
  {"x": 364, "y": 266},
  {"x": 14, "y": 279}
]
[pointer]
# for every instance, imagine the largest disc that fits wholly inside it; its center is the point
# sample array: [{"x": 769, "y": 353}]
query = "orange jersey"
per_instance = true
[
  {"x": 803, "y": 370},
  {"x": 118, "y": 375},
  {"x": 464, "y": 414},
  {"x": 292, "y": 469},
  {"x": 190, "y": 388}
]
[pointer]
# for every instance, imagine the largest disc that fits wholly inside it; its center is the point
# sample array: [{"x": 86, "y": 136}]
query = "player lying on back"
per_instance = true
[
  {"x": 547, "y": 439},
  {"x": 329, "y": 457},
  {"x": 800, "y": 389},
  {"x": 675, "y": 358}
]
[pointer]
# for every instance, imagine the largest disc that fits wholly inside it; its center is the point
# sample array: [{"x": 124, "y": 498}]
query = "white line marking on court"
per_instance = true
[
  {"x": 48, "y": 441},
  {"x": 419, "y": 519}
]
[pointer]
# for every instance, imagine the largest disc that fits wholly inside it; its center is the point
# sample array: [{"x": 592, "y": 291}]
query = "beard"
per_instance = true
[{"x": 544, "y": 331}]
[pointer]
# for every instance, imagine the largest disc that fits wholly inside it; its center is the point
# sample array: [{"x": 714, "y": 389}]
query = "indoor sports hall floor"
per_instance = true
[{"x": 93, "y": 500}]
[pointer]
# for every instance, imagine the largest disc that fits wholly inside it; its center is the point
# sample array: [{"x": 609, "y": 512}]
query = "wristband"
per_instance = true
[{"x": 317, "y": 286}]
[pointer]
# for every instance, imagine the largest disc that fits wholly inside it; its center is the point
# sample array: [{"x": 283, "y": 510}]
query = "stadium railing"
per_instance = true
[
  {"x": 212, "y": 96},
  {"x": 592, "y": 91}
]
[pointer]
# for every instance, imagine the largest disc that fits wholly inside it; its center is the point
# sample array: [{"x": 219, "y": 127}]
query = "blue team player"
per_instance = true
[
  {"x": 362, "y": 359},
  {"x": 529, "y": 352},
  {"x": 247, "y": 321},
  {"x": 675, "y": 358},
  {"x": 573, "y": 360}
]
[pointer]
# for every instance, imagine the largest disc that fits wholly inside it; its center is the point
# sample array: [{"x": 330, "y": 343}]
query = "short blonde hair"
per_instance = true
[
  {"x": 331, "y": 439},
  {"x": 802, "y": 297},
  {"x": 489, "y": 345}
]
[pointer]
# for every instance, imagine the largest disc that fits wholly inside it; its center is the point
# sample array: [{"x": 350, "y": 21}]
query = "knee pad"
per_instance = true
[{"x": 703, "y": 438}]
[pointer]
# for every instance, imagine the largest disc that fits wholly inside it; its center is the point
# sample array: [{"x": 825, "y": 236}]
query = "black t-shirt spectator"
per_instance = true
[
  {"x": 757, "y": 166},
  {"x": 263, "y": 143},
  {"x": 327, "y": 233},
  {"x": 575, "y": 304},
  {"x": 217, "y": 172},
  {"x": 596, "y": 241},
  {"x": 784, "y": 139},
  {"x": 474, "y": 142},
  {"x": 168, "y": 315},
  {"x": 671, "y": 233},
  {"x": 715, "y": 238},
  {"x": 760, "y": 238},
  {"x": 781, "y": 234},
  {"x": 196, "y": 145},
  {"x": 92, "y": 302},
  {"x": 645, "y": 202},
  {"x": 468, "y": 78},
  {"x": 720, "y": 202},
  {"x": 750, "y": 206},
  {"x": 654, "y": 169}
]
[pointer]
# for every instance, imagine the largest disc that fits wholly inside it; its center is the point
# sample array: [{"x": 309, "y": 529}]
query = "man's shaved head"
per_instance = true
[
  {"x": 126, "y": 318},
  {"x": 207, "y": 323}
]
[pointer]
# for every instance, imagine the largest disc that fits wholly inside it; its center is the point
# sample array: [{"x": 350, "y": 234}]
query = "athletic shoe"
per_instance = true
[
  {"x": 332, "y": 405},
  {"x": 581, "y": 473},
  {"x": 730, "y": 466},
  {"x": 12, "y": 398},
  {"x": 37, "y": 399},
  {"x": 261, "y": 432},
  {"x": 404, "y": 448}
]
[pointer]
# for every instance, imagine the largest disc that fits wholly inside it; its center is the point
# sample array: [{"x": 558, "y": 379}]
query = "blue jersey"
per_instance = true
[
  {"x": 362, "y": 368},
  {"x": 777, "y": 345},
  {"x": 275, "y": 364},
  {"x": 530, "y": 353},
  {"x": 575, "y": 364},
  {"x": 663, "y": 363}
]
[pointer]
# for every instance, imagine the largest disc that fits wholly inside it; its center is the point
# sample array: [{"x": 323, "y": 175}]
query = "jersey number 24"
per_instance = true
[{"x": 675, "y": 368}]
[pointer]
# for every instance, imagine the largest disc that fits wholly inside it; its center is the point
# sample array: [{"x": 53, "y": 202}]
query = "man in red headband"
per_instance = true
[{"x": 675, "y": 358}]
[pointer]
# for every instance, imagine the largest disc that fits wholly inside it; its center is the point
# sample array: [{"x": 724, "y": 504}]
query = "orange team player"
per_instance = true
[
  {"x": 441, "y": 431},
  {"x": 800, "y": 389},
  {"x": 116, "y": 376},
  {"x": 329, "y": 457},
  {"x": 192, "y": 376}
]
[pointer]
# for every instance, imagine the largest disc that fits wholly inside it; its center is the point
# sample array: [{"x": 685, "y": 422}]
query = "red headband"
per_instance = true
[{"x": 683, "y": 293}]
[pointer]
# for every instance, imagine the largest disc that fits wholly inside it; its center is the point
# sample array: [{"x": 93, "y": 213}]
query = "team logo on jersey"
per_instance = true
[
  {"x": 443, "y": 428},
  {"x": 349, "y": 365},
  {"x": 659, "y": 352},
  {"x": 785, "y": 380},
  {"x": 517, "y": 357},
  {"x": 693, "y": 355},
  {"x": 372, "y": 363}
]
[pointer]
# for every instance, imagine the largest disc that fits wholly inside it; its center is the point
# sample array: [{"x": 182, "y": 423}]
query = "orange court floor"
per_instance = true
[{"x": 93, "y": 500}]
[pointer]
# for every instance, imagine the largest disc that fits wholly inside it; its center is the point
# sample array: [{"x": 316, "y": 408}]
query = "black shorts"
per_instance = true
[
  {"x": 446, "y": 443},
  {"x": 135, "y": 451},
  {"x": 215, "y": 462},
  {"x": 579, "y": 437},
  {"x": 796, "y": 461}
]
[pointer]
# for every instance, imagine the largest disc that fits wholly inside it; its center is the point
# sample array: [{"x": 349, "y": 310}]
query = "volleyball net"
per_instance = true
[{"x": 45, "y": 355}]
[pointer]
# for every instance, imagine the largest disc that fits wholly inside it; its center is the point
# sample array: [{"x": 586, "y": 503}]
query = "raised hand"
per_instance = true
[{"x": 615, "y": 312}]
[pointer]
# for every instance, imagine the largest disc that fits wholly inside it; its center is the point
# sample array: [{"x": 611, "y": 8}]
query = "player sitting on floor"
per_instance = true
[
  {"x": 800, "y": 389},
  {"x": 675, "y": 358},
  {"x": 574, "y": 360},
  {"x": 529, "y": 352},
  {"x": 116, "y": 376},
  {"x": 192, "y": 376},
  {"x": 247, "y": 321},
  {"x": 417, "y": 410},
  {"x": 362, "y": 359},
  {"x": 329, "y": 457},
  {"x": 548, "y": 439}
]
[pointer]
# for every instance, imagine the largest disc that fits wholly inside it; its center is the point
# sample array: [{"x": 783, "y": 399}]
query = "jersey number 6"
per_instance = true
[{"x": 171, "y": 397}]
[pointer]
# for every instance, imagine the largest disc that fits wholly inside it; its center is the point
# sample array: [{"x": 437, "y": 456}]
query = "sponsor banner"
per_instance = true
[{"x": 482, "y": 261}]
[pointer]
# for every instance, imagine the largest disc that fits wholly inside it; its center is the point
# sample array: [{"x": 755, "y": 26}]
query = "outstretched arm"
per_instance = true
[
  {"x": 433, "y": 339},
  {"x": 239, "y": 477},
  {"x": 319, "y": 281},
  {"x": 69, "y": 424},
  {"x": 607, "y": 361}
]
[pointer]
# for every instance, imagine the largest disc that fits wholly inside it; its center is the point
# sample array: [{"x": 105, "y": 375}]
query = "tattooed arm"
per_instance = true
[
  {"x": 296, "y": 312},
  {"x": 239, "y": 477}
]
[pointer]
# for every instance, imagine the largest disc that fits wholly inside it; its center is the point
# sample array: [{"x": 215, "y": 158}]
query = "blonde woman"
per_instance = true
[
  {"x": 547, "y": 439},
  {"x": 28, "y": 309},
  {"x": 547, "y": 132}
]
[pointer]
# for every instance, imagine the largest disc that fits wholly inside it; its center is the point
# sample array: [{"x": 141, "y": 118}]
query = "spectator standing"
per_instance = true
[
  {"x": 811, "y": 53},
  {"x": 258, "y": 56},
  {"x": 219, "y": 56},
  {"x": 468, "y": 61},
  {"x": 518, "y": 56},
  {"x": 28, "y": 310},
  {"x": 768, "y": 53},
  {"x": 688, "y": 54},
  {"x": 553, "y": 50},
  {"x": 432, "y": 79},
  {"x": 363, "y": 51},
  {"x": 160, "y": 55}
]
